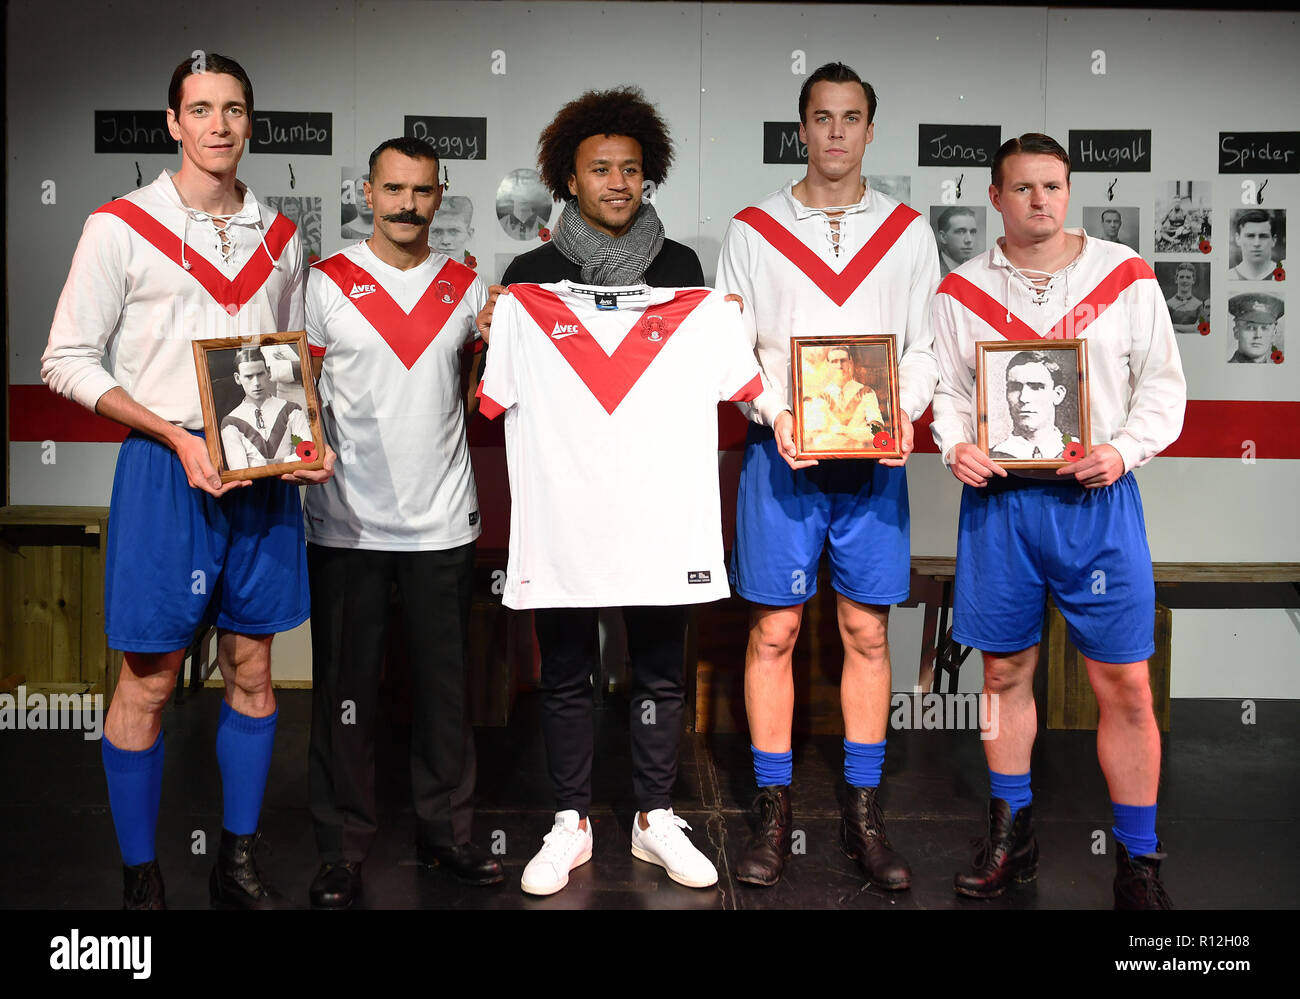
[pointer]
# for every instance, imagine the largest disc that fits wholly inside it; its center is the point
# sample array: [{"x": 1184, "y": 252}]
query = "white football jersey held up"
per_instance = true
[
  {"x": 611, "y": 400},
  {"x": 391, "y": 402}
]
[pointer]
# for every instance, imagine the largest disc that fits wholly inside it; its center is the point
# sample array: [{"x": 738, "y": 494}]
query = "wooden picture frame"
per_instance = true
[
  {"x": 845, "y": 392},
  {"x": 230, "y": 392},
  {"x": 1032, "y": 404}
]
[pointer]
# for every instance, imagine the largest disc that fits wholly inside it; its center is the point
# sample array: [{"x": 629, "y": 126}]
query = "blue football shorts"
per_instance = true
[
  {"x": 784, "y": 519},
  {"x": 178, "y": 557},
  {"x": 1019, "y": 539}
]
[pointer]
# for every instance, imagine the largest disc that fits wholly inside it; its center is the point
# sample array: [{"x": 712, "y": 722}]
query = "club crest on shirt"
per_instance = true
[
  {"x": 445, "y": 289},
  {"x": 653, "y": 329}
]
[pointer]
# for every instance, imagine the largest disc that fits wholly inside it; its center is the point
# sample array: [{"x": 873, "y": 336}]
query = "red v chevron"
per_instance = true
[
  {"x": 230, "y": 295},
  {"x": 837, "y": 287},
  {"x": 1072, "y": 324},
  {"x": 408, "y": 334},
  {"x": 609, "y": 377}
]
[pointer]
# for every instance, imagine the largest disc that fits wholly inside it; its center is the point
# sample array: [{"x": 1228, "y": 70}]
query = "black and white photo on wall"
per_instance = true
[
  {"x": 1114, "y": 223},
  {"x": 1258, "y": 248},
  {"x": 1183, "y": 217},
  {"x": 305, "y": 213},
  {"x": 358, "y": 221},
  {"x": 1185, "y": 285},
  {"x": 960, "y": 232},
  {"x": 1257, "y": 327},
  {"x": 896, "y": 186},
  {"x": 452, "y": 229},
  {"x": 523, "y": 205},
  {"x": 1032, "y": 402}
]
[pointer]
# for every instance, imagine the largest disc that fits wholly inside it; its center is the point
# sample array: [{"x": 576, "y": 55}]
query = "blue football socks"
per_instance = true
[
  {"x": 863, "y": 762},
  {"x": 1135, "y": 827},
  {"x": 772, "y": 769},
  {"x": 1011, "y": 788},
  {"x": 244, "y": 756},
  {"x": 134, "y": 793}
]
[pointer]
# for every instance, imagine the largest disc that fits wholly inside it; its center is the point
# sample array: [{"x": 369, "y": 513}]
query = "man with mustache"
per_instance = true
[{"x": 388, "y": 320}]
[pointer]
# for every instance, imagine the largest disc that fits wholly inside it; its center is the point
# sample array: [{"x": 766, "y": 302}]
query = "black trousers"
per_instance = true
[
  {"x": 350, "y": 591},
  {"x": 570, "y": 647}
]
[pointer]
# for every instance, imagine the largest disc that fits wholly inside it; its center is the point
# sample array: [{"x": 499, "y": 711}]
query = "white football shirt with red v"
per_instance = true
[
  {"x": 611, "y": 400},
  {"x": 391, "y": 402}
]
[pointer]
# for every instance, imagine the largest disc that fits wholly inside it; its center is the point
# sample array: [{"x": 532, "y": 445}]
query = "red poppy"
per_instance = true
[
  {"x": 1277, "y": 357},
  {"x": 306, "y": 450},
  {"x": 1204, "y": 327},
  {"x": 1279, "y": 273},
  {"x": 470, "y": 262},
  {"x": 544, "y": 234},
  {"x": 882, "y": 440},
  {"x": 1205, "y": 246},
  {"x": 1073, "y": 451}
]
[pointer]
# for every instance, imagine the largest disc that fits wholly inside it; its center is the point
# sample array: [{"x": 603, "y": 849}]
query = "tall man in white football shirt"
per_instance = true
[
  {"x": 388, "y": 321},
  {"x": 191, "y": 256},
  {"x": 1019, "y": 538},
  {"x": 826, "y": 255}
]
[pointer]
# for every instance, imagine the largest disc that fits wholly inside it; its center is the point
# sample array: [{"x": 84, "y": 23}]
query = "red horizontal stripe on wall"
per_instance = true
[
  {"x": 37, "y": 414},
  {"x": 1212, "y": 428}
]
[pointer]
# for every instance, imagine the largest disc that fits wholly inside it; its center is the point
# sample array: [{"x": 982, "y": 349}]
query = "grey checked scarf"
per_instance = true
[{"x": 607, "y": 262}]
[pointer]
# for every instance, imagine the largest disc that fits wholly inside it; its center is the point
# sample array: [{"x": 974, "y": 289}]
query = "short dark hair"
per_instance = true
[
  {"x": 835, "y": 72},
  {"x": 948, "y": 214},
  {"x": 622, "y": 111},
  {"x": 1185, "y": 266},
  {"x": 1033, "y": 143},
  {"x": 1042, "y": 357},
  {"x": 1108, "y": 211},
  {"x": 416, "y": 149},
  {"x": 1255, "y": 215},
  {"x": 249, "y": 355},
  {"x": 211, "y": 63}
]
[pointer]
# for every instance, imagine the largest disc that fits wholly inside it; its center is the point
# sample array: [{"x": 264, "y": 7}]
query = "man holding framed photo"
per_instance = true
[
  {"x": 1035, "y": 387},
  {"x": 190, "y": 256},
  {"x": 1081, "y": 535},
  {"x": 826, "y": 255}
]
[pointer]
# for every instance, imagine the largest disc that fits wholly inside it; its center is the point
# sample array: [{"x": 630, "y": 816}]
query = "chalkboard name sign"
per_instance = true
[
  {"x": 133, "y": 132},
  {"x": 1110, "y": 149},
  {"x": 957, "y": 145},
  {"x": 450, "y": 138},
  {"x": 309, "y": 133},
  {"x": 1259, "y": 152},
  {"x": 781, "y": 143}
]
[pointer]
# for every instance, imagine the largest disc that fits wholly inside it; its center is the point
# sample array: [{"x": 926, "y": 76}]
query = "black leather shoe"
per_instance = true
[
  {"x": 142, "y": 887},
  {"x": 471, "y": 863},
  {"x": 236, "y": 883},
  {"x": 765, "y": 854},
  {"x": 336, "y": 885},
  {"x": 1010, "y": 853},
  {"x": 862, "y": 838},
  {"x": 1137, "y": 881}
]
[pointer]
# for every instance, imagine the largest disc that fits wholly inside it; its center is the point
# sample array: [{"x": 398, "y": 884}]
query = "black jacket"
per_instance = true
[{"x": 675, "y": 266}]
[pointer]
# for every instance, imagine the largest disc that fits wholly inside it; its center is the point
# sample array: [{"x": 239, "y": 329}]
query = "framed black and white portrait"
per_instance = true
[
  {"x": 845, "y": 391},
  {"x": 960, "y": 231},
  {"x": 1116, "y": 224},
  {"x": 1183, "y": 216},
  {"x": 1032, "y": 401},
  {"x": 358, "y": 221},
  {"x": 1185, "y": 285},
  {"x": 452, "y": 229},
  {"x": 260, "y": 413},
  {"x": 1258, "y": 247},
  {"x": 1257, "y": 327},
  {"x": 523, "y": 204},
  {"x": 305, "y": 213}
]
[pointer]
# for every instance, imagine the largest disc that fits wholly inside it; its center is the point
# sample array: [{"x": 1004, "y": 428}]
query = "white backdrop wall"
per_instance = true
[{"x": 717, "y": 72}]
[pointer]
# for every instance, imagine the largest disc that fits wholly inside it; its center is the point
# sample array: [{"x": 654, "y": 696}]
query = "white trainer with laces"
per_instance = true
[
  {"x": 565, "y": 847},
  {"x": 665, "y": 844}
]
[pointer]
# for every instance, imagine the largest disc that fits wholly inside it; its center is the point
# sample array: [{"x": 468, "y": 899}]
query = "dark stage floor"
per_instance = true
[{"x": 1229, "y": 817}]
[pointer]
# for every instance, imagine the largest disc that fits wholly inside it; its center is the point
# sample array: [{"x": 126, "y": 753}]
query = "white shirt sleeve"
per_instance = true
[
  {"x": 88, "y": 313},
  {"x": 918, "y": 368},
  {"x": 498, "y": 389},
  {"x": 954, "y": 396},
  {"x": 232, "y": 443},
  {"x": 1157, "y": 385},
  {"x": 735, "y": 363},
  {"x": 735, "y": 276}
]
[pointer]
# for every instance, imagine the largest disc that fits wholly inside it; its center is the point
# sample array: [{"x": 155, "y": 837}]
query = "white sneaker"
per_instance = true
[
  {"x": 665, "y": 844},
  {"x": 565, "y": 847}
]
